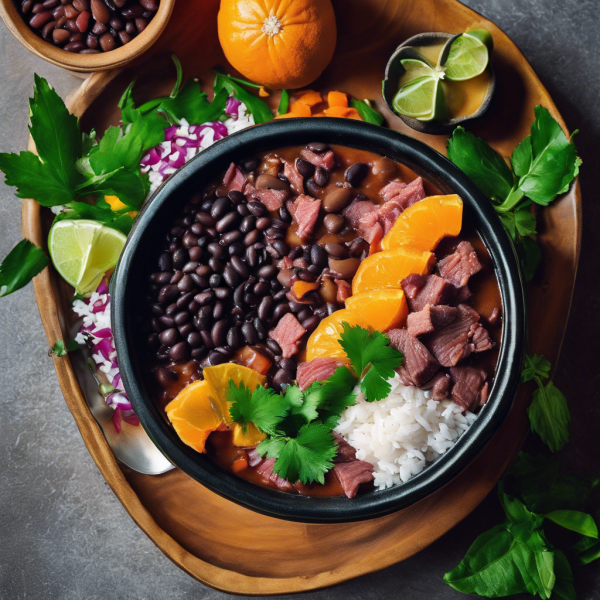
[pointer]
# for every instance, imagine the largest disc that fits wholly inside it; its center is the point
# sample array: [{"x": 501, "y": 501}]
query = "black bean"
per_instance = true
[
  {"x": 164, "y": 376},
  {"x": 321, "y": 177},
  {"x": 237, "y": 249},
  {"x": 305, "y": 275},
  {"x": 193, "y": 307},
  {"x": 280, "y": 310},
  {"x": 207, "y": 340},
  {"x": 266, "y": 181},
  {"x": 264, "y": 308},
  {"x": 334, "y": 223},
  {"x": 318, "y": 147},
  {"x": 227, "y": 222},
  {"x": 234, "y": 339},
  {"x": 285, "y": 215},
  {"x": 190, "y": 267},
  {"x": 246, "y": 225},
  {"x": 261, "y": 330},
  {"x": 197, "y": 228},
  {"x": 272, "y": 233},
  {"x": 168, "y": 337},
  {"x": 179, "y": 351},
  {"x": 133, "y": 11},
  {"x": 189, "y": 240},
  {"x": 311, "y": 323},
  {"x": 157, "y": 310},
  {"x": 204, "y": 298},
  {"x": 205, "y": 311},
  {"x": 215, "y": 280},
  {"x": 217, "y": 250},
  {"x": 321, "y": 312},
  {"x": 219, "y": 311},
  {"x": 251, "y": 256},
  {"x": 201, "y": 323},
  {"x": 231, "y": 237},
  {"x": 238, "y": 264},
  {"x": 282, "y": 378},
  {"x": 280, "y": 295},
  {"x": 222, "y": 293},
  {"x": 288, "y": 364},
  {"x": 318, "y": 256},
  {"x": 205, "y": 219},
  {"x": 231, "y": 276},
  {"x": 258, "y": 209},
  {"x": 216, "y": 358},
  {"x": 243, "y": 209},
  {"x": 161, "y": 278},
  {"x": 304, "y": 314},
  {"x": 200, "y": 282},
  {"x": 198, "y": 353},
  {"x": 194, "y": 339},
  {"x": 238, "y": 295},
  {"x": 252, "y": 237},
  {"x": 107, "y": 43},
  {"x": 168, "y": 293},
  {"x": 180, "y": 258},
  {"x": 249, "y": 164},
  {"x": 273, "y": 346},
  {"x": 218, "y": 332},
  {"x": 336, "y": 250},
  {"x": 356, "y": 173},
  {"x": 171, "y": 309},
  {"x": 267, "y": 272},
  {"x": 250, "y": 299},
  {"x": 176, "y": 277},
  {"x": 182, "y": 317},
  {"x": 220, "y": 207},
  {"x": 311, "y": 187},
  {"x": 186, "y": 329},
  {"x": 215, "y": 264},
  {"x": 262, "y": 288},
  {"x": 186, "y": 283},
  {"x": 305, "y": 168},
  {"x": 281, "y": 247},
  {"x": 263, "y": 223},
  {"x": 236, "y": 197},
  {"x": 195, "y": 255},
  {"x": 249, "y": 334}
]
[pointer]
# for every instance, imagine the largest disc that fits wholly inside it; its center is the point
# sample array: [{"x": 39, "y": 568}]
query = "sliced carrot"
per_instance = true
[
  {"x": 301, "y": 288},
  {"x": 321, "y": 114},
  {"x": 310, "y": 98},
  {"x": 300, "y": 109},
  {"x": 239, "y": 465},
  {"x": 353, "y": 114},
  {"x": 262, "y": 92},
  {"x": 336, "y": 111},
  {"x": 287, "y": 116},
  {"x": 337, "y": 99}
]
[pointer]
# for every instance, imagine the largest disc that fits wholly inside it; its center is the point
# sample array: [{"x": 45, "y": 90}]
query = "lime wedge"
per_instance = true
[
  {"x": 468, "y": 56},
  {"x": 415, "y": 69},
  {"x": 423, "y": 99},
  {"x": 83, "y": 250}
]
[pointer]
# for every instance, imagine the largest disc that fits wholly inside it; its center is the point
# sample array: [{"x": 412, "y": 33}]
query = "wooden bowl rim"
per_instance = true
[{"x": 85, "y": 63}]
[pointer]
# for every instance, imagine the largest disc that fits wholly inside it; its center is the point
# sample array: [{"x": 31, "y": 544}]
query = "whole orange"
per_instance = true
[{"x": 278, "y": 43}]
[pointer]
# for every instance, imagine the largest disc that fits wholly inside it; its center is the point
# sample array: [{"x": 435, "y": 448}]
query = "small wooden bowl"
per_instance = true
[
  {"x": 85, "y": 63},
  {"x": 394, "y": 71}
]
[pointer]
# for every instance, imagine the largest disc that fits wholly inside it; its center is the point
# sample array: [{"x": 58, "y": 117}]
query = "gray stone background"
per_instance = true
[{"x": 63, "y": 533}]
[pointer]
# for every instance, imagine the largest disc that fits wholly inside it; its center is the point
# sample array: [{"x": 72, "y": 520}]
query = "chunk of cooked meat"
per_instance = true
[
  {"x": 468, "y": 389},
  {"x": 420, "y": 365},
  {"x": 457, "y": 340},
  {"x": 439, "y": 385},
  {"x": 421, "y": 290},
  {"x": 292, "y": 174},
  {"x": 265, "y": 470},
  {"x": 431, "y": 318},
  {"x": 288, "y": 334},
  {"x": 272, "y": 199},
  {"x": 318, "y": 369},
  {"x": 327, "y": 160},
  {"x": 457, "y": 268},
  {"x": 306, "y": 214},
  {"x": 352, "y": 475}
]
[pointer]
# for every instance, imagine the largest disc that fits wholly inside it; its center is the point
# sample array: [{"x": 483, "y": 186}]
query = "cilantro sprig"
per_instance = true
[{"x": 542, "y": 166}]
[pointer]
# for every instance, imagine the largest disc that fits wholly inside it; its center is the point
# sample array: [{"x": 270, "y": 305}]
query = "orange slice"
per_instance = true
[
  {"x": 425, "y": 223},
  {"x": 193, "y": 416},
  {"x": 384, "y": 270},
  {"x": 218, "y": 377},
  {"x": 252, "y": 437},
  {"x": 381, "y": 309},
  {"x": 324, "y": 340}
]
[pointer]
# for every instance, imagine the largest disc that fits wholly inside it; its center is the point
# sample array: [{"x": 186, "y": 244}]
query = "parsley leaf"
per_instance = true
[
  {"x": 259, "y": 109},
  {"x": 21, "y": 265},
  {"x": 535, "y": 366},
  {"x": 370, "y": 349},
  {"x": 263, "y": 407},
  {"x": 97, "y": 212},
  {"x": 192, "y": 104},
  {"x": 61, "y": 348},
  {"x": 306, "y": 457},
  {"x": 366, "y": 111},
  {"x": 549, "y": 416}
]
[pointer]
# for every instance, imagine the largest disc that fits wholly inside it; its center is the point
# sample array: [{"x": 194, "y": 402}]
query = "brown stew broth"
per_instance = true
[{"x": 383, "y": 170}]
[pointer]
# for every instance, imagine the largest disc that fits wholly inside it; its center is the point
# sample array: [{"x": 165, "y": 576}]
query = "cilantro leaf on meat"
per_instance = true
[
  {"x": 305, "y": 457},
  {"x": 20, "y": 266},
  {"x": 259, "y": 109},
  {"x": 263, "y": 407},
  {"x": 371, "y": 350},
  {"x": 366, "y": 111},
  {"x": 549, "y": 416}
]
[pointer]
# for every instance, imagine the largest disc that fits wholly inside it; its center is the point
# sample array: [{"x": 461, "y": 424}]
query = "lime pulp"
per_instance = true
[{"x": 468, "y": 56}]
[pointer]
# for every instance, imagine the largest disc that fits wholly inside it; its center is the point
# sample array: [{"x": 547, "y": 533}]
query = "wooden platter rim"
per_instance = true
[{"x": 217, "y": 577}]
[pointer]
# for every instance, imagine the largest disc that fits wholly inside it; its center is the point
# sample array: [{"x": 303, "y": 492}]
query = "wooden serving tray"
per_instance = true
[{"x": 229, "y": 547}]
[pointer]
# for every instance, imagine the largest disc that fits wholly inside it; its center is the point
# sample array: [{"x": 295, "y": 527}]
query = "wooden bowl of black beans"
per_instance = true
[{"x": 87, "y": 35}]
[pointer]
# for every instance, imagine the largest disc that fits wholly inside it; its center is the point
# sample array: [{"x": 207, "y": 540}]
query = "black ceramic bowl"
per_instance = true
[{"x": 128, "y": 287}]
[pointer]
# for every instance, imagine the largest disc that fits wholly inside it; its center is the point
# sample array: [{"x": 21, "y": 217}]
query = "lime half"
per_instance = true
[
  {"x": 468, "y": 56},
  {"x": 83, "y": 250},
  {"x": 423, "y": 99}
]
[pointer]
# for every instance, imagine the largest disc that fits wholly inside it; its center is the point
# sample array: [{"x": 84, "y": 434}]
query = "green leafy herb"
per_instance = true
[
  {"x": 263, "y": 407},
  {"x": 587, "y": 550},
  {"x": 543, "y": 166},
  {"x": 284, "y": 103},
  {"x": 535, "y": 366},
  {"x": 366, "y": 111},
  {"x": 575, "y": 520},
  {"x": 259, "y": 109},
  {"x": 98, "y": 212},
  {"x": 21, "y": 265},
  {"x": 61, "y": 348},
  {"x": 305, "y": 457},
  {"x": 549, "y": 416},
  {"x": 372, "y": 358},
  {"x": 563, "y": 586},
  {"x": 541, "y": 484}
]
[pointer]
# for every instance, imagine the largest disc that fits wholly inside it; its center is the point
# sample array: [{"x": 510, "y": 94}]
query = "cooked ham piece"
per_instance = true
[
  {"x": 318, "y": 369},
  {"x": 391, "y": 190},
  {"x": 439, "y": 385},
  {"x": 344, "y": 290},
  {"x": 431, "y": 318},
  {"x": 288, "y": 334},
  {"x": 370, "y": 229},
  {"x": 418, "y": 366},
  {"x": 470, "y": 388},
  {"x": 265, "y": 470},
  {"x": 293, "y": 176},
  {"x": 458, "y": 267},
  {"x": 421, "y": 290},
  {"x": 327, "y": 160},
  {"x": 457, "y": 340},
  {"x": 495, "y": 317},
  {"x": 272, "y": 199},
  {"x": 306, "y": 214},
  {"x": 254, "y": 458},
  {"x": 357, "y": 210},
  {"x": 234, "y": 179},
  {"x": 350, "y": 472}
]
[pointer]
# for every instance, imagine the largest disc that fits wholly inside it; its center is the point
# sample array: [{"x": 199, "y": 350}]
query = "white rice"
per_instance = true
[{"x": 403, "y": 433}]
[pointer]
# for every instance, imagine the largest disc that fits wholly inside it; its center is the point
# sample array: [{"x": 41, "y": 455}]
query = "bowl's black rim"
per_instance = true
[{"x": 437, "y": 169}]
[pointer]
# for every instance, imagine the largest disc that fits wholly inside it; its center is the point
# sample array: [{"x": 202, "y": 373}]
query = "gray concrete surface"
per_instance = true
[{"x": 65, "y": 536}]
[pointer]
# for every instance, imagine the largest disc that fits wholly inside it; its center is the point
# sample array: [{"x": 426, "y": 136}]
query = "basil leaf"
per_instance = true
[
  {"x": 530, "y": 257},
  {"x": 563, "y": 587},
  {"x": 284, "y": 103},
  {"x": 588, "y": 550},
  {"x": 21, "y": 265},
  {"x": 259, "y": 109},
  {"x": 55, "y": 132},
  {"x": 546, "y": 162},
  {"x": 574, "y": 520},
  {"x": 481, "y": 163},
  {"x": 549, "y": 416},
  {"x": 35, "y": 179},
  {"x": 366, "y": 112},
  {"x": 525, "y": 221}
]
